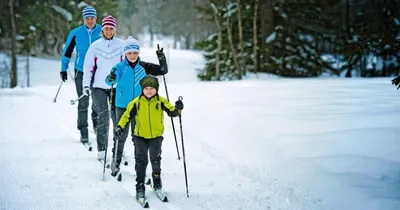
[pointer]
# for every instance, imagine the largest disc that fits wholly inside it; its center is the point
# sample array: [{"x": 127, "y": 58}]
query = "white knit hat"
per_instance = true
[{"x": 131, "y": 45}]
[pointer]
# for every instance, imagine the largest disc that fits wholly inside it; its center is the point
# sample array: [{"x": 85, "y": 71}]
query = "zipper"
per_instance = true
[
  {"x": 151, "y": 132},
  {"x": 90, "y": 37},
  {"x": 134, "y": 82}
]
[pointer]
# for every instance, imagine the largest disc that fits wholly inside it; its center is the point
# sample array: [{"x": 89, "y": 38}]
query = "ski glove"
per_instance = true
[
  {"x": 86, "y": 91},
  {"x": 112, "y": 76},
  {"x": 160, "y": 53},
  {"x": 179, "y": 105},
  {"x": 64, "y": 76},
  {"x": 118, "y": 131},
  {"x": 396, "y": 82}
]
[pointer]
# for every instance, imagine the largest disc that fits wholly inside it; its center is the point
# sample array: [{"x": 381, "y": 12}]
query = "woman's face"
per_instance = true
[
  {"x": 132, "y": 56},
  {"x": 108, "y": 32}
]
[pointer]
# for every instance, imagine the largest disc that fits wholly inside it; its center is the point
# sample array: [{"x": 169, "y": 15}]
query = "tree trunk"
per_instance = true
[
  {"x": 45, "y": 42},
  {"x": 188, "y": 40},
  {"x": 28, "y": 81},
  {"x": 233, "y": 48},
  {"x": 13, "y": 75},
  {"x": 219, "y": 40},
  {"x": 255, "y": 37},
  {"x": 348, "y": 33},
  {"x": 151, "y": 34},
  {"x": 176, "y": 40},
  {"x": 241, "y": 43}
]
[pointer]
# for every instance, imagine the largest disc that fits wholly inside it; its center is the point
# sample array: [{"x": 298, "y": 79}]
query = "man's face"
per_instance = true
[{"x": 90, "y": 22}]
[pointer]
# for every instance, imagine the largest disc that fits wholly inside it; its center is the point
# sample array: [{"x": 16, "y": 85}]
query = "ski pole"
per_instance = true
[
  {"x": 183, "y": 149},
  {"x": 72, "y": 102},
  {"x": 114, "y": 163},
  {"x": 105, "y": 158},
  {"x": 172, "y": 121},
  {"x": 104, "y": 163},
  {"x": 55, "y": 98}
]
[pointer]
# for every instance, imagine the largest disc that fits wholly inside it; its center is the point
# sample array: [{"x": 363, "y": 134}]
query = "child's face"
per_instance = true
[
  {"x": 132, "y": 56},
  {"x": 149, "y": 92}
]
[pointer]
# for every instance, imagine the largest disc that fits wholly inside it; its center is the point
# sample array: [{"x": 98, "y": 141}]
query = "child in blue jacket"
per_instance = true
[{"x": 127, "y": 75}]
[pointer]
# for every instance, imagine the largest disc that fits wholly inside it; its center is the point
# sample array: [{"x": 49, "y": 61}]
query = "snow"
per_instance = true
[
  {"x": 261, "y": 143},
  {"x": 271, "y": 37},
  {"x": 396, "y": 21},
  {"x": 19, "y": 37},
  {"x": 81, "y": 4},
  {"x": 67, "y": 15}
]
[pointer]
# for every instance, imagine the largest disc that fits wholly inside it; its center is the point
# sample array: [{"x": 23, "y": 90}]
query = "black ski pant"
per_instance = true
[
  {"x": 142, "y": 149},
  {"x": 101, "y": 102},
  {"x": 122, "y": 138},
  {"x": 83, "y": 104}
]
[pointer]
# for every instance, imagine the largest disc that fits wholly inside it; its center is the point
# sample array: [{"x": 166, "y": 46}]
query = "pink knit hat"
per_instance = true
[{"x": 109, "y": 21}]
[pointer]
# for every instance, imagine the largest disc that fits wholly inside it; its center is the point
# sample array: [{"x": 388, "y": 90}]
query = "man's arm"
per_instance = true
[{"x": 67, "y": 50}]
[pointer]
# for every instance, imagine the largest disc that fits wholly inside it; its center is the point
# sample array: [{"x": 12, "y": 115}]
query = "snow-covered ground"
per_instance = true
[{"x": 310, "y": 144}]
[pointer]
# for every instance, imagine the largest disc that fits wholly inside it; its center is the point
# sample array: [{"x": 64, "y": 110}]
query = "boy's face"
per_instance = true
[
  {"x": 132, "y": 56},
  {"x": 149, "y": 92}
]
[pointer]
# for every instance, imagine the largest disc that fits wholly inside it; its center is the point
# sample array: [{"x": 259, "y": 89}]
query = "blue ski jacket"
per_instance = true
[
  {"x": 129, "y": 76},
  {"x": 79, "y": 38}
]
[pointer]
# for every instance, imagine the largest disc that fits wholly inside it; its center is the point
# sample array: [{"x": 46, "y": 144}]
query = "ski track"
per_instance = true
[
  {"x": 128, "y": 181},
  {"x": 277, "y": 194},
  {"x": 274, "y": 197},
  {"x": 41, "y": 169}
]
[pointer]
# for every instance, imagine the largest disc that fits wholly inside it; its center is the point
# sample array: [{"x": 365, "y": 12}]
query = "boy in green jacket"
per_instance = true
[{"x": 147, "y": 111}]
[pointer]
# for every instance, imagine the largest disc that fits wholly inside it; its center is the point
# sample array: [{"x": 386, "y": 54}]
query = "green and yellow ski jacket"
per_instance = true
[{"x": 148, "y": 115}]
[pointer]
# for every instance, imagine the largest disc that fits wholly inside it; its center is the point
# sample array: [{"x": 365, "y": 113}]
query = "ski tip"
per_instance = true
[
  {"x": 165, "y": 199},
  {"x": 148, "y": 182},
  {"x": 143, "y": 203},
  {"x": 119, "y": 177}
]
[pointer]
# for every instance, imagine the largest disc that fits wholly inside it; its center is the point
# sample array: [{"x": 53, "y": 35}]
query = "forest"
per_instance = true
[{"x": 287, "y": 38}]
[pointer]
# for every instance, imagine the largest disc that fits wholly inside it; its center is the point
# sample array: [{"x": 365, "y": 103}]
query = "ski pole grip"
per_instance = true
[{"x": 180, "y": 98}]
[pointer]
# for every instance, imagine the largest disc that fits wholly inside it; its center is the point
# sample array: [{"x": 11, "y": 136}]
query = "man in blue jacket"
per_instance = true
[{"x": 80, "y": 38}]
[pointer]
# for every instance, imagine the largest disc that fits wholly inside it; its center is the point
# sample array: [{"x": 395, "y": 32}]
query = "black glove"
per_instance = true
[
  {"x": 396, "y": 82},
  {"x": 64, "y": 76},
  {"x": 160, "y": 53},
  {"x": 179, "y": 105},
  {"x": 118, "y": 131},
  {"x": 112, "y": 76}
]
